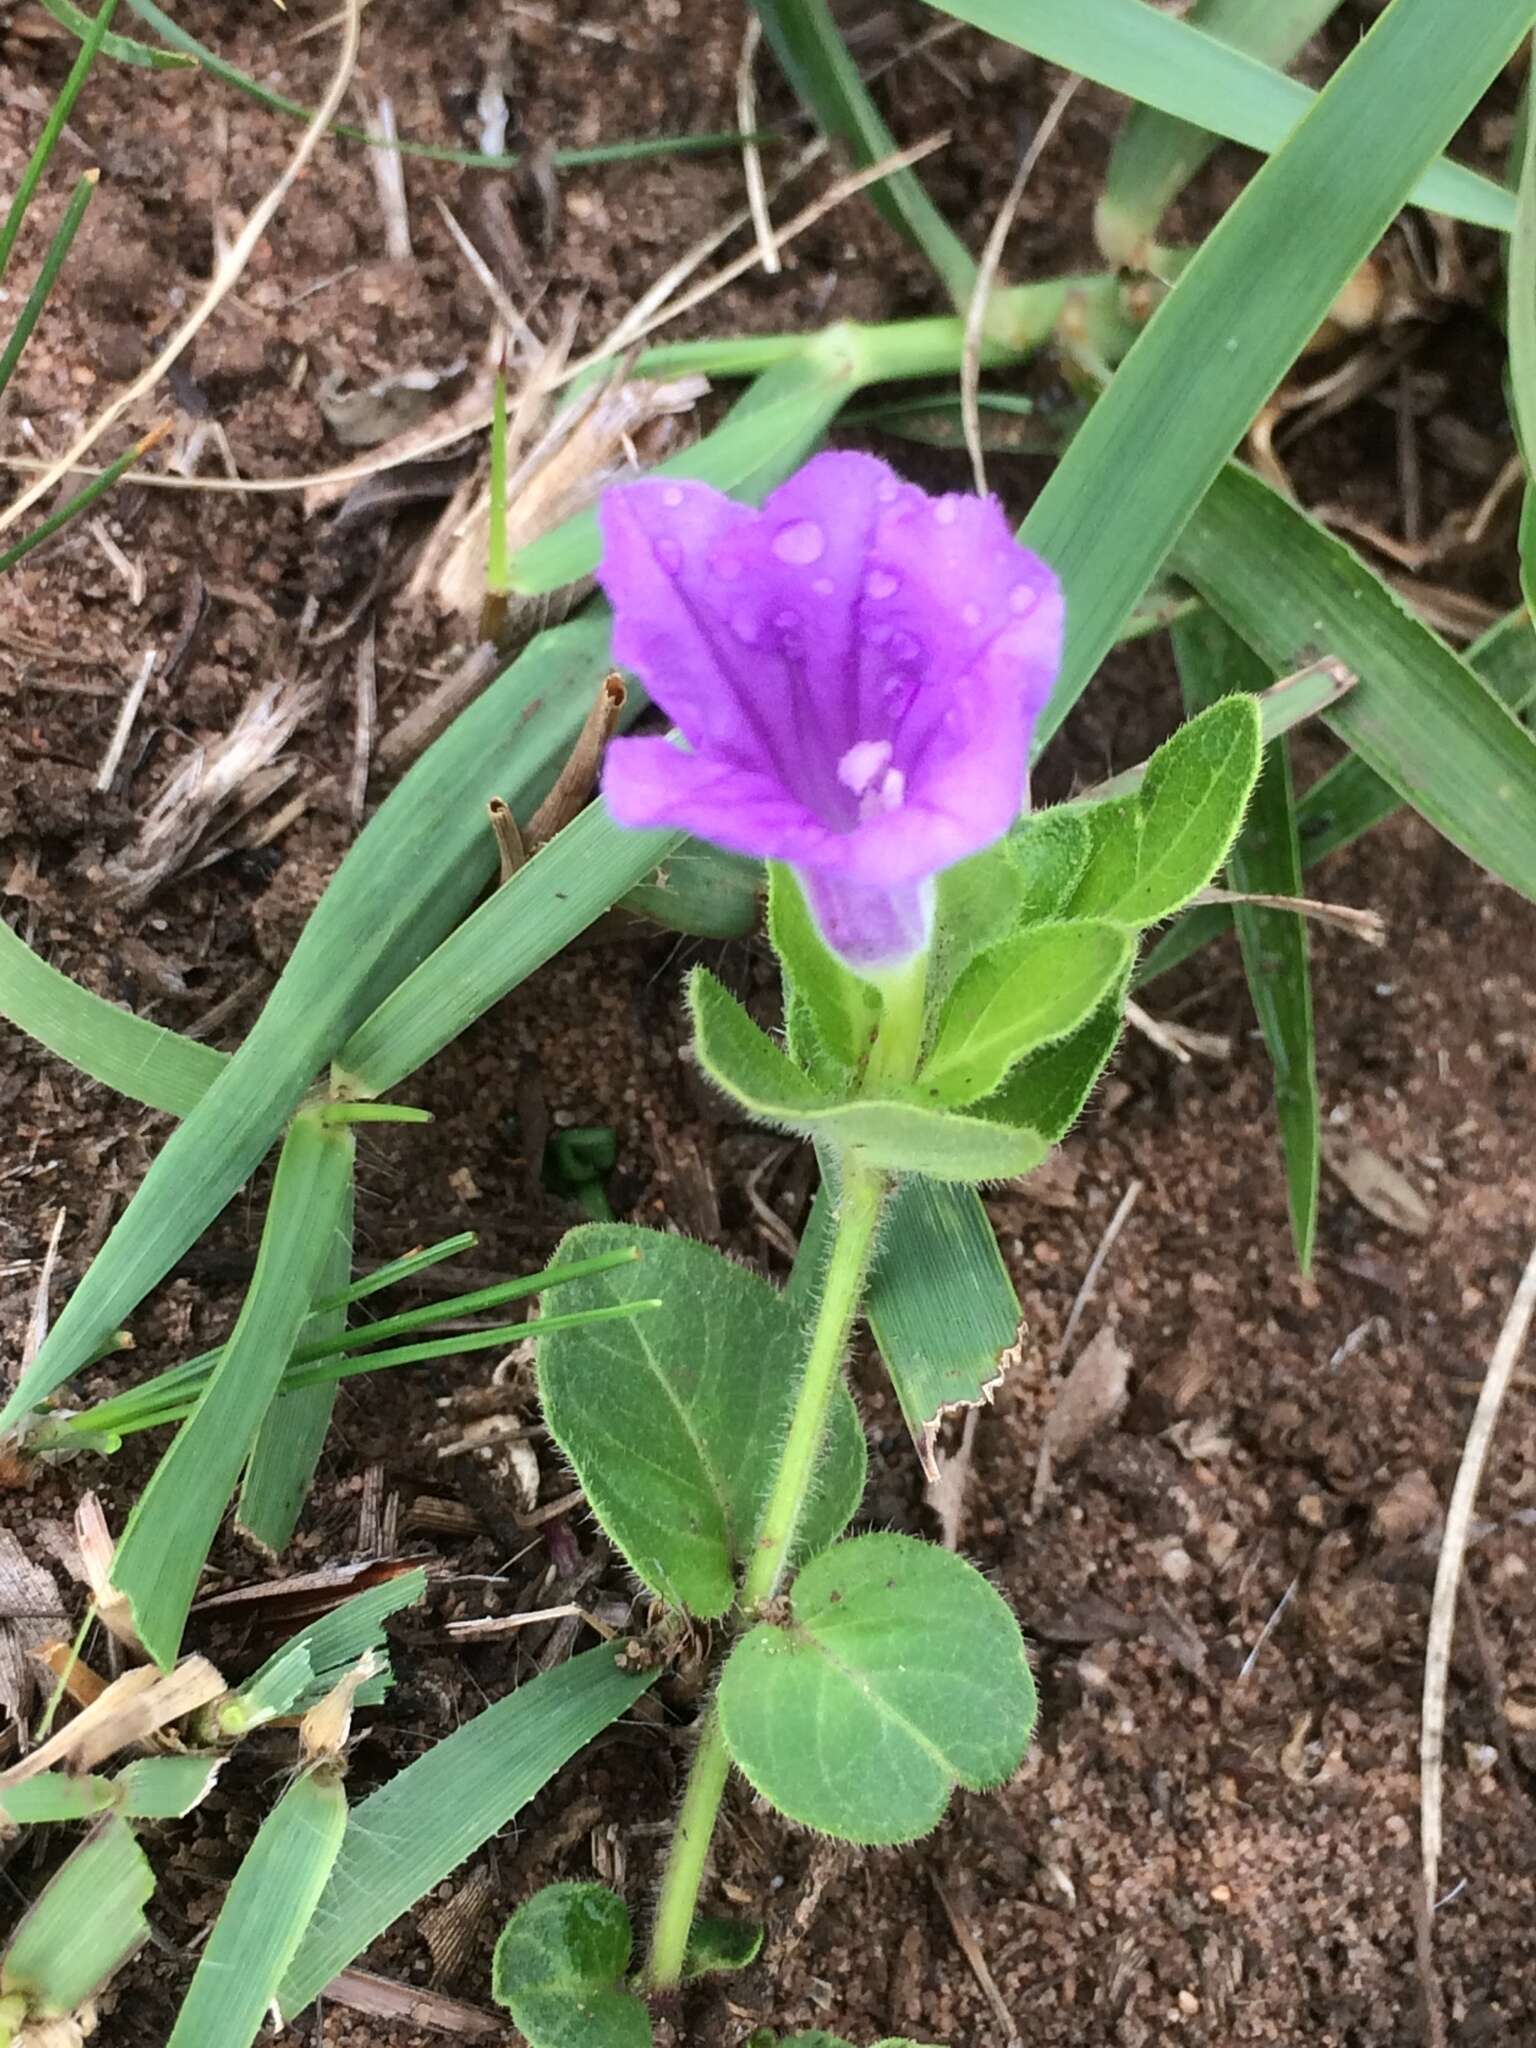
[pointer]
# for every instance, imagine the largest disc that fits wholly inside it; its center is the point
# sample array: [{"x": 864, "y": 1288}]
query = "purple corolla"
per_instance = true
[{"x": 856, "y": 668}]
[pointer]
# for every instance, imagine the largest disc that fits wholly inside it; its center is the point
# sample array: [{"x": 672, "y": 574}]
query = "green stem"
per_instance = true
[{"x": 687, "y": 1856}]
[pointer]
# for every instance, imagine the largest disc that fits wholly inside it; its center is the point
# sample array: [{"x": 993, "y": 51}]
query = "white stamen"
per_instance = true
[{"x": 863, "y": 762}]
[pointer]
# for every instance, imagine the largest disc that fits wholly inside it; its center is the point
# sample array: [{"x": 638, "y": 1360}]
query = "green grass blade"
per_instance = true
[
  {"x": 805, "y": 39},
  {"x": 414, "y": 1831},
  {"x": 1249, "y": 301},
  {"x": 137, "y": 1058},
  {"x": 1155, "y": 155},
  {"x": 53, "y": 128},
  {"x": 1351, "y": 799},
  {"x": 1149, "y": 55},
  {"x": 1420, "y": 716},
  {"x": 265, "y": 1914},
  {"x": 121, "y": 49},
  {"x": 329, "y": 1648},
  {"x": 1521, "y": 320},
  {"x": 53, "y": 263},
  {"x": 87, "y": 1922},
  {"x": 292, "y": 1432},
  {"x": 174, "y": 1520},
  {"x": 187, "y": 45},
  {"x": 82, "y": 501},
  {"x": 1266, "y": 860}
]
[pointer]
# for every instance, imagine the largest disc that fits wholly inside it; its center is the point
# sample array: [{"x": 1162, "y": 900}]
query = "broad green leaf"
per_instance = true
[
  {"x": 809, "y": 45},
  {"x": 900, "y": 1674},
  {"x": 1051, "y": 850},
  {"x": 165, "y": 1787},
  {"x": 898, "y": 1132},
  {"x": 1155, "y": 155},
  {"x": 55, "y": 1796},
  {"x": 419, "y": 1826},
  {"x": 1108, "y": 876},
  {"x": 1138, "y": 49},
  {"x": 559, "y": 1970},
  {"x": 1029, "y": 992},
  {"x": 941, "y": 1305},
  {"x": 844, "y": 1008},
  {"x": 138, "y": 1059},
  {"x": 160, "y": 1557},
  {"x": 671, "y": 1420},
  {"x": 979, "y": 905},
  {"x": 1420, "y": 717},
  {"x": 1257, "y": 289},
  {"x": 718, "y": 1947},
  {"x": 265, "y": 1914},
  {"x": 1266, "y": 860},
  {"x": 1046, "y": 1092},
  {"x": 85, "y": 1924},
  {"x": 1192, "y": 800}
]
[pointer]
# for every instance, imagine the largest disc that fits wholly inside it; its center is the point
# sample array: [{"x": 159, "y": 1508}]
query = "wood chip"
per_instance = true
[
  {"x": 1377, "y": 1185},
  {"x": 1091, "y": 1397},
  {"x": 31, "y": 1613}
]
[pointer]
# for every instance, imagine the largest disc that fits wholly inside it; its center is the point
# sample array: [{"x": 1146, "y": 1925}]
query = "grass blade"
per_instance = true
[
  {"x": 1266, "y": 860},
  {"x": 53, "y": 263},
  {"x": 1149, "y": 55},
  {"x": 121, "y": 49},
  {"x": 292, "y": 1432},
  {"x": 1155, "y": 155},
  {"x": 161, "y": 1554},
  {"x": 137, "y": 1058},
  {"x": 53, "y": 128},
  {"x": 1420, "y": 717},
  {"x": 414, "y": 1831},
  {"x": 83, "y": 500},
  {"x": 87, "y": 1922},
  {"x": 1521, "y": 320},
  {"x": 303, "y": 1671},
  {"x": 805, "y": 39},
  {"x": 265, "y": 1914},
  {"x": 1248, "y": 302}
]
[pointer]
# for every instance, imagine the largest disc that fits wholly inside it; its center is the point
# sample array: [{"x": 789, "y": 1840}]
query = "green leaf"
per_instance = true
[
  {"x": 265, "y": 1914},
  {"x": 416, "y": 1829},
  {"x": 301, "y": 1673},
  {"x": 898, "y": 1132},
  {"x": 844, "y": 1008},
  {"x": 979, "y": 905},
  {"x": 160, "y": 1557},
  {"x": 1046, "y": 1092},
  {"x": 1137, "y": 49},
  {"x": 805, "y": 39},
  {"x": 165, "y": 1787},
  {"x": 1051, "y": 850},
  {"x": 138, "y": 1059},
  {"x": 122, "y": 49},
  {"x": 671, "y": 1420},
  {"x": 1155, "y": 155},
  {"x": 941, "y": 1305},
  {"x": 1257, "y": 289},
  {"x": 1420, "y": 717},
  {"x": 1114, "y": 827},
  {"x": 717, "y": 1947},
  {"x": 559, "y": 1970},
  {"x": 55, "y": 1796},
  {"x": 86, "y": 1923},
  {"x": 701, "y": 890},
  {"x": 1192, "y": 800},
  {"x": 1266, "y": 860},
  {"x": 900, "y": 1675},
  {"x": 1521, "y": 320},
  {"x": 1030, "y": 991}
]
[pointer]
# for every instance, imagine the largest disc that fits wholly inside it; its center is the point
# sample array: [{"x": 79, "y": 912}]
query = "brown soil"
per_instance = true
[{"x": 1215, "y": 1837}]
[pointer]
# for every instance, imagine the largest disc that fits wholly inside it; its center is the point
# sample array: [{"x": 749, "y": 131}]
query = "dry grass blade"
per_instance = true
[
  {"x": 1453, "y": 1547},
  {"x": 226, "y": 275},
  {"x": 1368, "y": 926},
  {"x": 751, "y": 156},
  {"x": 132, "y": 1706}
]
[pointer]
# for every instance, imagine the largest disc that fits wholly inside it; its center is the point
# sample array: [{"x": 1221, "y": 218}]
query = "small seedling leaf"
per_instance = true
[
  {"x": 1192, "y": 799},
  {"x": 671, "y": 1419},
  {"x": 717, "y": 1947},
  {"x": 901, "y": 1674},
  {"x": 559, "y": 1970}
]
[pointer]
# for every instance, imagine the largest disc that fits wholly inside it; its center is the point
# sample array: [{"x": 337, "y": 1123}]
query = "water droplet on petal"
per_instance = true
[
  {"x": 896, "y": 693},
  {"x": 823, "y": 586},
  {"x": 727, "y": 567},
  {"x": 906, "y": 647},
  {"x": 801, "y": 542},
  {"x": 954, "y": 719},
  {"x": 970, "y": 614},
  {"x": 946, "y": 512},
  {"x": 670, "y": 554},
  {"x": 672, "y": 496},
  {"x": 881, "y": 583},
  {"x": 1021, "y": 598},
  {"x": 744, "y": 626},
  {"x": 878, "y": 635}
]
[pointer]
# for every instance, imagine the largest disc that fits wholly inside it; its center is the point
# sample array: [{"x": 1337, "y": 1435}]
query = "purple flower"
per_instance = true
[{"x": 856, "y": 668}]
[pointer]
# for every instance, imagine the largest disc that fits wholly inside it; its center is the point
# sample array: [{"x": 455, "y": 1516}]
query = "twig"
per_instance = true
[
  {"x": 508, "y": 1624},
  {"x": 366, "y": 699},
  {"x": 511, "y": 853},
  {"x": 986, "y": 272},
  {"x": 388, "y": 167},
  {"x": 1453, "y": 1549},
  {"x": 574, "y": 783},
  {"x": 970, "y": 1948},
  {"x": 1369, "y": 926},
  {"x": 133, "y": 697},
  {"x": 751, "y": 157},
  {"x": 37, "y": 1322},
  {"x": 226, "y": 275},
  {"x": 1267, "y": 1631},
  {"x": 1105, "y": 1246}
]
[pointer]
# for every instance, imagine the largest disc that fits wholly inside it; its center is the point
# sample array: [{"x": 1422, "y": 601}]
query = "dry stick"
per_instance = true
[
  {"x": 575, "y": 782},
  {"x": 1106, "y": 1245},
  {"x": 1453, "y": 1547},
  {"x": 970, "y": 1948},
  {"x": 388, "y": 167},
  {"x": 751, "y": 157},
  {"x": 986, "y": 272},
  {"x": 133, "y": 697},
  {"x": 1369, "y": 926},
  {"x": 367, "y": 712},
  {"x": 226, "y": 275}
]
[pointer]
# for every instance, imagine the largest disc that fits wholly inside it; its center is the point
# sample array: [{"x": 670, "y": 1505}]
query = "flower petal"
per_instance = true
[
  {"x": 870, "y": 927},
  {"x": 649, "y": 783}
]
